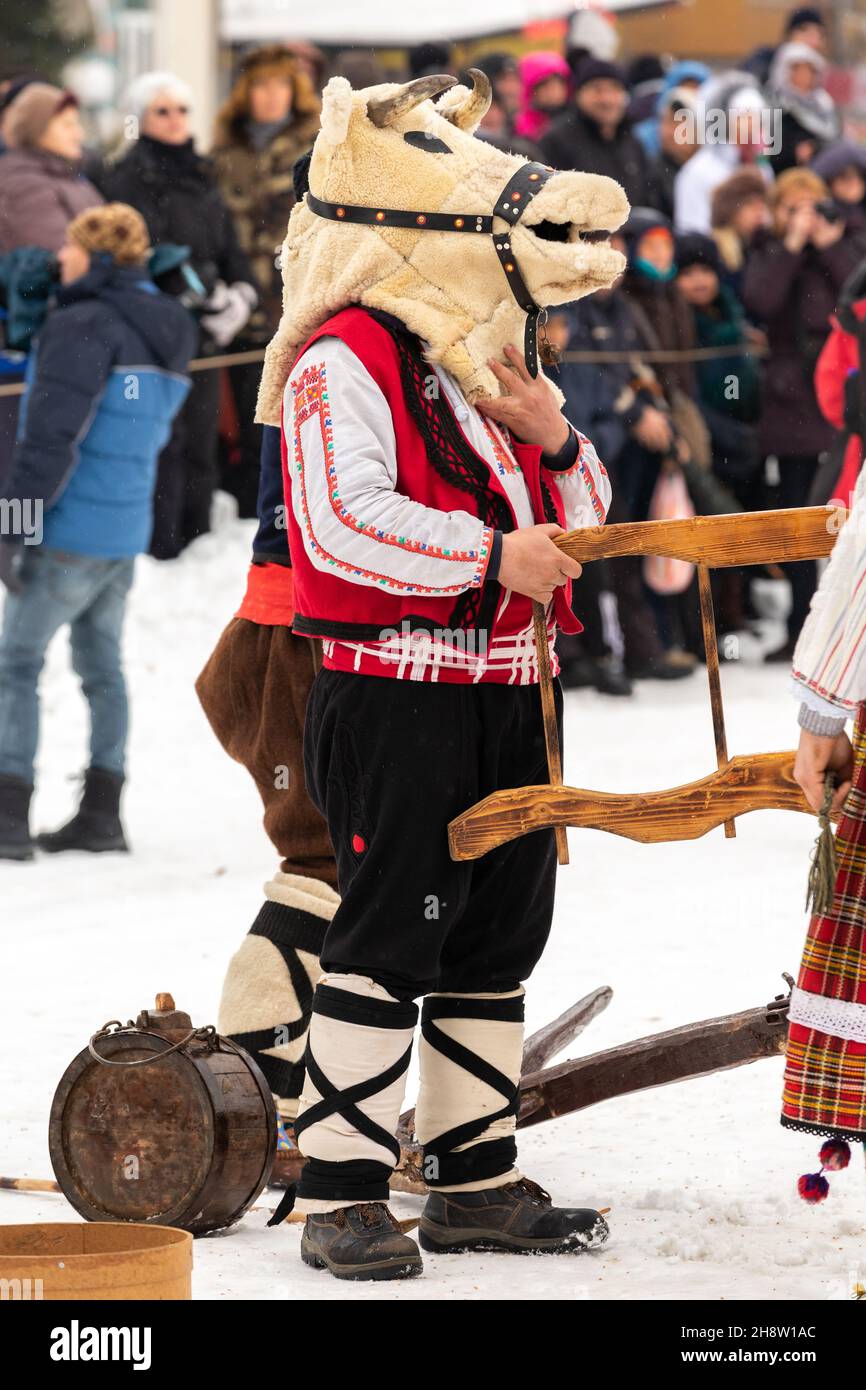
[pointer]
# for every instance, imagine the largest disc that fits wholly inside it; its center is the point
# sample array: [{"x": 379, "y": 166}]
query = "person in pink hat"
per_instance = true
[{"x": 546, "y": 86}]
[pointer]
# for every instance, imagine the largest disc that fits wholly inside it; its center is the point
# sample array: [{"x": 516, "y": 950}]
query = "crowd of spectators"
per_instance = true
[{"x": 702, "y": 376}]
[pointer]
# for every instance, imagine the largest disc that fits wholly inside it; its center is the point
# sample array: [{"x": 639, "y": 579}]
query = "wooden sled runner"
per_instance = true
[
  {"x": 546, "y": 1093},
  {"x": 761, "y": 781}
]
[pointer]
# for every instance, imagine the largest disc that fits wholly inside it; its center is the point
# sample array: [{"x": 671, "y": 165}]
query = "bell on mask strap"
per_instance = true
[{"x": 550, "y": 353}]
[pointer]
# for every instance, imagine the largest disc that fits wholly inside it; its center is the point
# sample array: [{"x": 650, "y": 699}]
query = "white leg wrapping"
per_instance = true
[
  {"x": 350, "y": 1053},
  {"x": 308, "y": 894},
  {"x": 269, "y": 984},
  {"x": 450, "y": 1096}
]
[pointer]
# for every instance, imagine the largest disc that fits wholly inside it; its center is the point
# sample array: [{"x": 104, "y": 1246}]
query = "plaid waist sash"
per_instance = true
[{"x": 825, "y": 1072}]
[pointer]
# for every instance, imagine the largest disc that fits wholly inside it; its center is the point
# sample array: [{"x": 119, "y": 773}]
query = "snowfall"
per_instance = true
[{"x": 699, "y": 1176}]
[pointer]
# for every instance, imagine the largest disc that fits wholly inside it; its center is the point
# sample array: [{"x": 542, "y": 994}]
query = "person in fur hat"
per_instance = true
[
  {"x": 270, "y": 118},
  {"x": 428, "y": 469}
]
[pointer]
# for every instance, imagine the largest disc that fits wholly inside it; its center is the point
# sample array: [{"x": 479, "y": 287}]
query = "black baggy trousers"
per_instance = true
[{"x": 389, "y": 763}]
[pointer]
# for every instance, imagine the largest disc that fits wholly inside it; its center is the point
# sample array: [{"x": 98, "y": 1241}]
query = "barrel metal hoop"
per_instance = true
[{"x": 207, "y": 1034}]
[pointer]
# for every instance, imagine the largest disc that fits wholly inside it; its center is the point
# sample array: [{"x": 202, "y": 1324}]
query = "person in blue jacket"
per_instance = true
[{"x": 105, "y": 381}]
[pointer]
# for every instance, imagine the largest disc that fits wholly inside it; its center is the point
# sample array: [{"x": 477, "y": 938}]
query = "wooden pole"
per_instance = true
[
  {"x": 548, "y": 714},
  {"x": 30, "y": 1184},
  {"x": 711, "y": 649}
]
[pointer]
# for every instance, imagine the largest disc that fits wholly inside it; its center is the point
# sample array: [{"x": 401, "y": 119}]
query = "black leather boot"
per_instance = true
[
  {"x": 15, "y": 841},
  {"x": 96, "y": 824},
  {"x": 519, "y": 1217},
  {"x": 360, "y": 1242}
]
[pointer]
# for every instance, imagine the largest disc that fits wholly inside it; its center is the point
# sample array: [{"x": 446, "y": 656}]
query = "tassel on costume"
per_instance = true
[
  {"x": 821, "y": 888},
  {"x": 814, "y": 1187}
]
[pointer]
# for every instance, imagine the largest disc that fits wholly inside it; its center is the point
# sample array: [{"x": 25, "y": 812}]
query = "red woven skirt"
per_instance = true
[{"x": 825, "y": 1072}]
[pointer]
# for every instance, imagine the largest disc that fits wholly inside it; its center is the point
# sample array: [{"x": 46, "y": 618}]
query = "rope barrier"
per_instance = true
[
  {"x": 198, "y": 364},
  {"x": 706, "y": 354}
]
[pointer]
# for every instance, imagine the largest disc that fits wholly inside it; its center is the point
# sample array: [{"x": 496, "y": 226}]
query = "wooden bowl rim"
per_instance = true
[{"x": 175, "y": 1237}]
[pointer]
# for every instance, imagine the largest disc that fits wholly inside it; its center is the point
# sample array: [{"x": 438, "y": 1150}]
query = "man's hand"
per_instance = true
[
  {"x": 653, "y": 430},
  {"x": 531, "y": 564},
  {"x": 814, "y": 756},
  {"x": 529, "y": 410},
  {"x": 10, "y": 564}
]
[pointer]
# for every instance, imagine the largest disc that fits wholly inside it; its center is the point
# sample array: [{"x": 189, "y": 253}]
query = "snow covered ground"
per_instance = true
[{"x": 699, "y": 1176}]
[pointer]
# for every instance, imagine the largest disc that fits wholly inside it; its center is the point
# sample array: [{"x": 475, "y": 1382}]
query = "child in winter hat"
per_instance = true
[{"x": 116, "y": 230}]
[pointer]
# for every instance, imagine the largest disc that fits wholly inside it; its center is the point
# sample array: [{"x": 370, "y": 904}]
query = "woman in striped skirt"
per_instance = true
[{"x": 825, "y": 1075}]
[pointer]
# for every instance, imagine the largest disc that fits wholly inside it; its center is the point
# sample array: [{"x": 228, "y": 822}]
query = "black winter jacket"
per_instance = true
[
  {"x": 603, "y": 400},
  {"x": 176, "y": 192},
  {"x": 574, "y": 141}
]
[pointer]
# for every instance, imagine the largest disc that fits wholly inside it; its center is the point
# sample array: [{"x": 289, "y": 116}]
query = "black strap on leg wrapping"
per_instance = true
[
  {"x": 289, "y": 929},
  {"x": 493, "y": 1157},
  {"x": 336, "y": 1102},
  {"x": 354, "y": 1180},
  {"x": 363, "y": 1180}
]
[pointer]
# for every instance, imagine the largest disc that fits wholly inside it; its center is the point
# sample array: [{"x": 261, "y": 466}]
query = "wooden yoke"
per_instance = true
[{"x": 762, "y": 781}]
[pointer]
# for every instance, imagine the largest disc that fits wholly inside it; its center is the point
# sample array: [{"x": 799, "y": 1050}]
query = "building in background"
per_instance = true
[{"x": 113, "y": 41}]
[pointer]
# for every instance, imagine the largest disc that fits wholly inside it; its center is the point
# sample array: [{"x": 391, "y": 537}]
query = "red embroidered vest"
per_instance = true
[{"x": 327, "y": 603}]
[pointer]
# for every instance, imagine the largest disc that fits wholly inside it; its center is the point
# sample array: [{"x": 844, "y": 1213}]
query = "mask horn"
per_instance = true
[
  {"x": 467, "y": 111},
  {"x": 384, "y": 110}
]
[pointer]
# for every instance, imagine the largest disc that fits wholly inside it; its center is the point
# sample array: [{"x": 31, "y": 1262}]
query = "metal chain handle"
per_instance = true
[{"x": 110, "y": 1029}]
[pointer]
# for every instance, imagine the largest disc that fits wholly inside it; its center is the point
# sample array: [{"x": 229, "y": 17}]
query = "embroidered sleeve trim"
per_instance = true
[
  {"x": 310, "y": 398},
  {"x": 587, "y": 460},
  {"x": 805, "y": 696},
  {"x": 847, "y": 706},
  {"x": 504, "y": 461}
]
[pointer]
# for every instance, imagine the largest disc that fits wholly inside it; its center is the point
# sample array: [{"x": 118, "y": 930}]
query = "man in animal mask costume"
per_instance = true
[{"x": 428, "y": 469}]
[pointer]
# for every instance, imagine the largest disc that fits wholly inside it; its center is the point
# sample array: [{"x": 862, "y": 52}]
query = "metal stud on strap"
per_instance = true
[
  {"x": 400, "y": 217},
  {"x": 512, "y": 202}
]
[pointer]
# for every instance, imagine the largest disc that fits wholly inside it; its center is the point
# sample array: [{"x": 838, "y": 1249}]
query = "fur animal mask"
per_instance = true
[{"x": 391, "y": 146}]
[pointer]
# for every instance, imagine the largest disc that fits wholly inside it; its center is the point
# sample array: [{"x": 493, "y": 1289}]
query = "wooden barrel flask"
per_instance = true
[{"x": 185, "y": 1138}]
